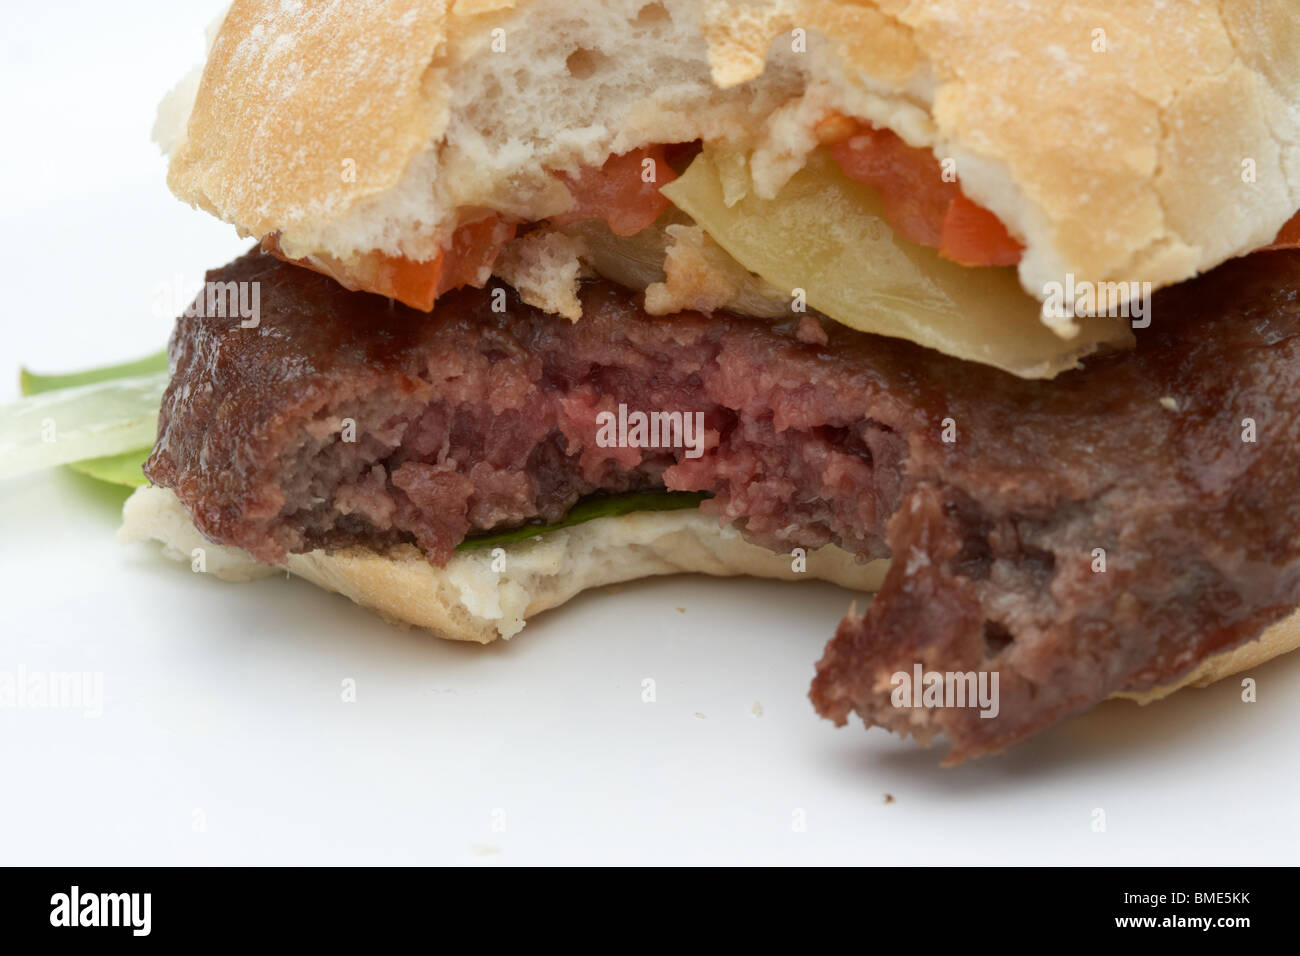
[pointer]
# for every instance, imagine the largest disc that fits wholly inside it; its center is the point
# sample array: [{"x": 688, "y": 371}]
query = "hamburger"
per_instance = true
[{"x": 989, "y": 309}]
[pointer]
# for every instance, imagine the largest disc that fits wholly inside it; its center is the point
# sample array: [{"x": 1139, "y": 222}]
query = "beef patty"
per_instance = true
[{"x": 1104, "y": 531}]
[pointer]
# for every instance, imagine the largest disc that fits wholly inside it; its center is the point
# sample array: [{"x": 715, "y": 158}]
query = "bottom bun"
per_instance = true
[{"x": 470, "y": 601}]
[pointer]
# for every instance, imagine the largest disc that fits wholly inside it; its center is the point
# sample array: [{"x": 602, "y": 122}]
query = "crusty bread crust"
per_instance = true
[
  {"x": 1282, "y": 637},
  {"x": 305, "y": 110},
  {"x": 1121, "y": 140},
  {"x": 470, "y": 601}
]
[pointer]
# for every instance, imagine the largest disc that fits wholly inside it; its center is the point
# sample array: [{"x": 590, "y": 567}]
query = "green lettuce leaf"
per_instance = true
[
  {"x": 124, "y": 469},
  {"x": 597, "y": 506},
  {"x": 32, "y": 383},
  {"x": 103, "y": 421}
]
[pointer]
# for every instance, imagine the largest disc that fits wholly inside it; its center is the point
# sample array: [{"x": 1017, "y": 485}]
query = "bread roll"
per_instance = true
[
  {"x": 1121, "y": 140},
  {"x": 469, "y": 601}
]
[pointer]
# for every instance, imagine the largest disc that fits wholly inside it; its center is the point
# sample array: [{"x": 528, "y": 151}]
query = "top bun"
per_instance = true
[{"x": 1122, "y": 140}]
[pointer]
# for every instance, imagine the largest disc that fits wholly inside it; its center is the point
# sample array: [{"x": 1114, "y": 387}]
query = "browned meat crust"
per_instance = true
[{"x": 1142, "y": 455}]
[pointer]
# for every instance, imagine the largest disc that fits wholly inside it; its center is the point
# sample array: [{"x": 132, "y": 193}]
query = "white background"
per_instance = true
[{"x": 224, "y": 700}]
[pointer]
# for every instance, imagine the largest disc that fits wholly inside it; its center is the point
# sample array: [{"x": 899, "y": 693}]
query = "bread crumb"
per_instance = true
[
  {"x": 757, "y": 709},
  {"x": 834, "y": 128},
  {"x": 544, "y": 268},
  {"x": 889, "y": 798},
  {"x": 1169, "y": 403},
  {"x": 700, "y": 276},
  {"x": 700, "y": 716},
  {"x": 811, "y": 331}
]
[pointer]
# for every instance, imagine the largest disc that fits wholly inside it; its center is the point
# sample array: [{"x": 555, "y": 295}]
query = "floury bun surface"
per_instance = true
[
  {"x": 1124, "y": 140},
  {"x": 470, "y": 601}
]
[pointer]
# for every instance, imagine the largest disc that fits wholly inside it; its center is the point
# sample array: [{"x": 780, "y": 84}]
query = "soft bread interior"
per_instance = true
[
  {"x": 1124, "y": 140},
  {"x": 471, "y": 600}
]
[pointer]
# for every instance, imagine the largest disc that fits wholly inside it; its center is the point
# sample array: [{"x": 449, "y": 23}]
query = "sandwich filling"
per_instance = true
[
  {"x": 923, "y": 203},
  {"x": 898, "y": 249},
  {"x": 1101, "y": 532}
]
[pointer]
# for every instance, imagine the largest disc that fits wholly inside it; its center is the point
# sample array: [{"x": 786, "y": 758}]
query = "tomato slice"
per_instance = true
[
  {"x": 1288, "y": 237},
  {"x": 417, "y": 283},
  {"x": 973, "y": 236},
  {"x": 409, "y": 281},
  {"x": 919, "y": 203},
  {"x": 624, "y": 191},
  {"x": 474, "y": 248},
  {"x": 912, "y": 190}
]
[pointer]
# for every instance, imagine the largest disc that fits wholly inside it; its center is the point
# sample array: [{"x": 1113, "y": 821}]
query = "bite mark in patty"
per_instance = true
[{"x": 470, "y": 419}]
